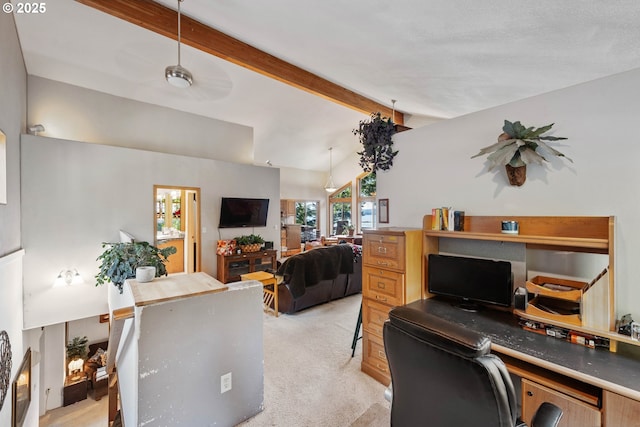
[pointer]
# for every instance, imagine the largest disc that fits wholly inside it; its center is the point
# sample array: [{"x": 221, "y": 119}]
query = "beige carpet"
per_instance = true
[{"x": 311, "y": 379}]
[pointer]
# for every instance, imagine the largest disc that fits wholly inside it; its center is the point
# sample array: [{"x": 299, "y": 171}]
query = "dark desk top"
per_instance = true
[{"x": 615, "y": 372}]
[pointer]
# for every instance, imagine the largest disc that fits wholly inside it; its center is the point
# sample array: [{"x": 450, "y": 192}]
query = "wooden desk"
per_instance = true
[
  {"x": 269, "y": 288},
  {"x": 596, "y": 379}
]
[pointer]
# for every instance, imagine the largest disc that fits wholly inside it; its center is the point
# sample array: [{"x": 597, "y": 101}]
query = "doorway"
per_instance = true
[{"x": 176, "y": 222}]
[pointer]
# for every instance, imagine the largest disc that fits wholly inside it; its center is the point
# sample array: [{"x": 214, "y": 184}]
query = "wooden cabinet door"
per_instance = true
[
  {"x": 574, "y": 412},
  {"x": 620, "y": 411}
]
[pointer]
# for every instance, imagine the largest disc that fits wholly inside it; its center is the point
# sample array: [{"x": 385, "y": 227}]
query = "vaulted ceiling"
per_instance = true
[{"x": 438, "y": 58}]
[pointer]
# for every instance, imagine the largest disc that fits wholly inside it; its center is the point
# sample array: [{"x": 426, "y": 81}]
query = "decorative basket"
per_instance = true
[{"x": 254, "y": 247}]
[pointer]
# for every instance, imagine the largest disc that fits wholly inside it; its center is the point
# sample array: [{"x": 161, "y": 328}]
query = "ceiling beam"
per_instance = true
[{"x": 164, "y": 21}]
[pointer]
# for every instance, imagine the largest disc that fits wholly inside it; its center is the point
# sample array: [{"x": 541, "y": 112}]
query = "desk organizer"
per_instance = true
[{"x": 570, "y": 301}]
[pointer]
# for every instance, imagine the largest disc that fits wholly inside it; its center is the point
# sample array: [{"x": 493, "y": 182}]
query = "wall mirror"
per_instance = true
[{"x": 177, "y": 223}]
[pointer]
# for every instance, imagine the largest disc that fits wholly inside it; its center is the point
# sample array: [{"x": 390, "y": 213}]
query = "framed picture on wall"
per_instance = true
[
  {"x": 383, "y": 209},
  {"x": 21, "y": 391}
]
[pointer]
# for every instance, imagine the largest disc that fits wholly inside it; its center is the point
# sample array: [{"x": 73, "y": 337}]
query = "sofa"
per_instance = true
[{"x": 319, "y": 276}]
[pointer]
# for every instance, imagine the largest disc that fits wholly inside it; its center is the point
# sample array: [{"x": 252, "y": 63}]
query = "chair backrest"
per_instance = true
[{"x": 444, "y": 375}]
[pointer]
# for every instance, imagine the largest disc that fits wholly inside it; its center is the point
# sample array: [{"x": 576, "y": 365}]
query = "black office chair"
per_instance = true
[{"x": 444, "y": 375}]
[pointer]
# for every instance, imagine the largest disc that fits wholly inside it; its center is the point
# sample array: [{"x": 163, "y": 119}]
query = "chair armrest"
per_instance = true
[{"x": 547, "y": 415}]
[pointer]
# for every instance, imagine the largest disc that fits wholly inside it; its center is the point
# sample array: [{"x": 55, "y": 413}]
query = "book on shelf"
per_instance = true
[{"x": 446, "y": 218}]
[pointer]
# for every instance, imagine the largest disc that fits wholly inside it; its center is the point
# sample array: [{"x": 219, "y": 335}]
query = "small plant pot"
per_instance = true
[
  {"x": 145, "y": 274},
  {"x": 517, "y": 175}
]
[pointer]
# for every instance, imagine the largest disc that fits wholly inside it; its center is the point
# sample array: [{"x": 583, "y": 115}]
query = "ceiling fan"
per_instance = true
[{"x": 177, "y": 75}]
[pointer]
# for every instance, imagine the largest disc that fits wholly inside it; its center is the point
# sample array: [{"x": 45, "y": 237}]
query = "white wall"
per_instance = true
[
  {"x": 434, "y": 168},
  {"x": 76, "y": 195},
  {"x": 13, "y": 113},
  {"x": 89, "y": 327},
  {"x": 75, "y": 113}
]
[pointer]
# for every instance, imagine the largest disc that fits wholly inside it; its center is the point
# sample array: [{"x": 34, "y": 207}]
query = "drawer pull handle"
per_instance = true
[
  {"x": 383, "y": 263},
  {"x": 382, "y": 250},
  {"x": 380, "y": 285},
  {"x": 382, "y": 368},
  {"x": 379, "y": 298},
  {"x": 381, "y": 354},
  {"x": 529, "y": 393}
]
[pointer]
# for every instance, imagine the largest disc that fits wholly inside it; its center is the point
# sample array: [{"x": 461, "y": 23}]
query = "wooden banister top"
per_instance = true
[{"x": 174, "y": 287}]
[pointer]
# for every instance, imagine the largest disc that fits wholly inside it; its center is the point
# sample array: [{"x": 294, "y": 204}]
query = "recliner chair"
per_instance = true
[{"x": 443, "y": 375}]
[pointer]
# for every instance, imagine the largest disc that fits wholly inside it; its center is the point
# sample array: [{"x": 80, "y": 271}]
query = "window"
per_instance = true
[
  {"x": 367, "y": 207},
  {"x": 307, "y": 216},
  {"x": 340, "y": 209}
]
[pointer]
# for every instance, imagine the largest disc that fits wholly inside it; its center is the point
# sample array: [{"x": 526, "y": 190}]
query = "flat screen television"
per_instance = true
[
  {"x": 471, "y": 280},
  {"x": 242, "y": 212}
]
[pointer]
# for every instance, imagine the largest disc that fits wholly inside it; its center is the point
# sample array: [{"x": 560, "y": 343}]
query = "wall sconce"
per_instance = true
[
  {"x": 34, "y": 129},
  {"x": 68, "y": 278}
]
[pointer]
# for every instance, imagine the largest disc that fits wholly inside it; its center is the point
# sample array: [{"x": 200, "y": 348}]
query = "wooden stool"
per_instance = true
[{"x": 269, "y": 287}]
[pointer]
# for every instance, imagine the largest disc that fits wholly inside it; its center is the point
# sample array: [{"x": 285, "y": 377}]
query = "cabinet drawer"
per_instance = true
[
  {"x": 383, "y": 285},
  {"x": 574, "y": 412},
  {"x": 373, "y": 348},
  {"x": 373, "y": 316},
  {"x": 385, "y": 251}
]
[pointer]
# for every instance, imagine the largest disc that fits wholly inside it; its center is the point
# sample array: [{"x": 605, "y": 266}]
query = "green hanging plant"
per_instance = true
[{"x": 377, "y": 145}]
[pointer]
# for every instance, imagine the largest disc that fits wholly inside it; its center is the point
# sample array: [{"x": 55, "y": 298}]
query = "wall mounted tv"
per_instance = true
[
  {"x": 471, "y": 280},
  {"x": 238, "y": 212}
]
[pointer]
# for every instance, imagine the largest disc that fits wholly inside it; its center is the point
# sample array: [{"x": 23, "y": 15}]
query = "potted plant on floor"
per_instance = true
[
  {"x": 249, "y": 243},
  {"x": 120, "y": 261},
  {"x": 518, "y": 146}
]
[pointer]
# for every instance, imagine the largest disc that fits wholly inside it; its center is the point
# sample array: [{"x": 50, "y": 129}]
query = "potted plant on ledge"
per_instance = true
[
  {"x": 120, "y": 261},
  {"x": 518, "y": 146}
]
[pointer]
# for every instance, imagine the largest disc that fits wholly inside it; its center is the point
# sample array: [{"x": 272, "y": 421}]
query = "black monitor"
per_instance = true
[{"x": 471, "y": 280}]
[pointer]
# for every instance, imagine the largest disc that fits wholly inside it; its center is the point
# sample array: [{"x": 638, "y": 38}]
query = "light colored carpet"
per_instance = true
[{"x": 310, "y": 378}]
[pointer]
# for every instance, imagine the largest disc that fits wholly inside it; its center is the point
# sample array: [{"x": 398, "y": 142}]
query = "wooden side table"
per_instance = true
[
  {"x": 269, "y": 287},
  {"x": 75, "y": 389}
]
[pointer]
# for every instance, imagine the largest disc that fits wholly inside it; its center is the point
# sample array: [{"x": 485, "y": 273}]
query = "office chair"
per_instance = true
[{"x": 444, "y": 375}]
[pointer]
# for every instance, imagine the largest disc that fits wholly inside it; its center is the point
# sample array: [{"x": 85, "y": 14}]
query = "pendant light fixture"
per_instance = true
[
  {"x": 330, "y": 187},
  {"x": 177, "y": 75}
]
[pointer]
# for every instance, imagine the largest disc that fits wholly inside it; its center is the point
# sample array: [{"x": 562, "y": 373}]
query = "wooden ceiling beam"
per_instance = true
[{"x": 164, "y": 21}]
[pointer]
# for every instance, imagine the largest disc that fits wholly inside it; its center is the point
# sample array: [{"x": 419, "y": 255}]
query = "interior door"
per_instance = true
[{"x": 176, "y": 223}]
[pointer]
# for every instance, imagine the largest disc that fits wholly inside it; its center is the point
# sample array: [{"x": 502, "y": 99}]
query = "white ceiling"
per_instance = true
[{"x": 438, "y": 58}]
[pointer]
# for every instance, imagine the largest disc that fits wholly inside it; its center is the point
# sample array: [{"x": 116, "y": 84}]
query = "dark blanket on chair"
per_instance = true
[{"x": 309, "y": 268}]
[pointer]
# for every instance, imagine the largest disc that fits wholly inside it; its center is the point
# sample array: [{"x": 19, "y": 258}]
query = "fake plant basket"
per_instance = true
[{"x": 254, "y": 247}]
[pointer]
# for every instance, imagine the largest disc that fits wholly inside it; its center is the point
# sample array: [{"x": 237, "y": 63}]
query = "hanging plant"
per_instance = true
[
  {"x": 517, "y": 146},
  {"x": 377, "y": 146}
]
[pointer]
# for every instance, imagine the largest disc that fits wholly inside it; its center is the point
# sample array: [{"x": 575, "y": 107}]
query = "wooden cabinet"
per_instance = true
[
  {"x": 391, "y": 276},
  {"x": 291, "y": 239},
  {"x": 75, "y": 389},
  {"x": 620, "y": 411},
  {"x": 574, "y": 412},
  {"x": 287, "y": 207},
  {"x": 231, "y": 267}
]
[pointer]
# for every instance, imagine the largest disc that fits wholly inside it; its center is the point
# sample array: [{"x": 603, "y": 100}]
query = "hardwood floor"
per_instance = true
[{"x": 86, "y": 413}]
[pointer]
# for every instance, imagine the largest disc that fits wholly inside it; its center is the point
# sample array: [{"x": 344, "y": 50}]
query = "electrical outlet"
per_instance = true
[{"x": 225, "y": 383}]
